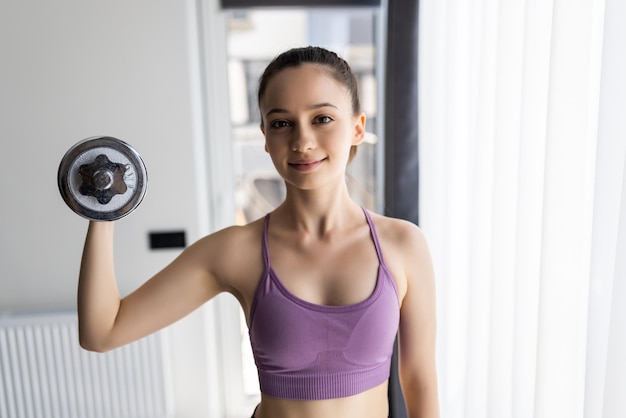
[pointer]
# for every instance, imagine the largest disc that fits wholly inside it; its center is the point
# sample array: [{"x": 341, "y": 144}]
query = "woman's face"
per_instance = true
[{"x": 309, "y": 125}]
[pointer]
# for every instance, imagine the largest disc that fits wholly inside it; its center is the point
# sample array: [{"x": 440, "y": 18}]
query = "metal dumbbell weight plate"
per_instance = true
[{"x": 102, "y": 178}]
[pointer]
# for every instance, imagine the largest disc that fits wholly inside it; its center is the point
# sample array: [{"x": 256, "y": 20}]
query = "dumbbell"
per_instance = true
[{"x": 102, "y": 178}]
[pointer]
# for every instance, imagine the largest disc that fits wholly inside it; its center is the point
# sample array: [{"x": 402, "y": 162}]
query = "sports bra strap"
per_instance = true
[
  {"x": 374, "y": 235},
  {"x": 266, "y": 255}
]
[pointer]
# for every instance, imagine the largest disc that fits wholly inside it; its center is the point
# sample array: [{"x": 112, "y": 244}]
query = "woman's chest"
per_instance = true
[{"x": 335, "y": 274}]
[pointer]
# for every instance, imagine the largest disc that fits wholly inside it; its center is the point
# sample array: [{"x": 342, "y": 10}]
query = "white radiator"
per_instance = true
[{"x": 45, "y": 374}]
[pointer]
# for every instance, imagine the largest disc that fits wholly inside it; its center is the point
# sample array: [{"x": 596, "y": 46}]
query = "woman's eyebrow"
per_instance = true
[
  {"x": 275, "y": 110},
  {"x": 320, "y": 105},
  {"x": 312, "y": 107}
]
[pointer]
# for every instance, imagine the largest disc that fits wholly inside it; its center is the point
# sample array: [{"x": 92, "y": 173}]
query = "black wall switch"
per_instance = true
[{"x": 166, "y": 240}]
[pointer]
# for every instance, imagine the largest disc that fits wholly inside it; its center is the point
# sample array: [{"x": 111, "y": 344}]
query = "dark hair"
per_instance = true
[{"x": 336, "y": 66}]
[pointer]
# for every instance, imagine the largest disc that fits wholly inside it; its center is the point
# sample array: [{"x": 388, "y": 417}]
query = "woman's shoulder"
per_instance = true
[
  {"x": 406, "y": 250},
  {"x": 396, "y": 230},
  {"x": 232, "y": 242},
  {"x": 233, "y": 255},
  {"x": 237, "y": 233},
  {"x": 402, "y": 241}
]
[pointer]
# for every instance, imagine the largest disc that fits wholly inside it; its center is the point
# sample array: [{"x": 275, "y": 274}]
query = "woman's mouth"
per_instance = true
[{"x": 306, "y": 165}]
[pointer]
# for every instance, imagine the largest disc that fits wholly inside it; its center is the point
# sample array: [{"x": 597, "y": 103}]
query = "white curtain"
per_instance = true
[{"x": 523, "y": 199}]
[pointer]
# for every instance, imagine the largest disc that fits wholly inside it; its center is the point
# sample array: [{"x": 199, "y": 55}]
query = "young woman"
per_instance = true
[{"x": 325, "y": 285}]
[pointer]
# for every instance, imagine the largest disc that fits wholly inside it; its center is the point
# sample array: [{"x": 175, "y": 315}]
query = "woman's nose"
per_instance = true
[{"x": 303, "y": 139}]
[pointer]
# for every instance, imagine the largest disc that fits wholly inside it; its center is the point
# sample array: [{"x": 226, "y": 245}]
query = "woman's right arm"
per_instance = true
[
  {"x": 98, "y": 295},
  {"x": 107, "y": 321}
]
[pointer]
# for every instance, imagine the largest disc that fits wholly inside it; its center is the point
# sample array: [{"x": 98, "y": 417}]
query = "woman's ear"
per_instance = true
[{"x": 359, "y": 129}]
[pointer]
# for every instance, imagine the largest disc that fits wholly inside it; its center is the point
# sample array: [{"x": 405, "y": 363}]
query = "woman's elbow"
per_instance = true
[{"x": 89, "y": 343}]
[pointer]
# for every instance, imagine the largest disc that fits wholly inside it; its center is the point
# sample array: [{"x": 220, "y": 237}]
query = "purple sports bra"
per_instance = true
[{"x": 305, "y": 351}]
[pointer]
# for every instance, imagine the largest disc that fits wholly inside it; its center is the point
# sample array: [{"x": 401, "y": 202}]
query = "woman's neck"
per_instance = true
[{"x": 318, "y": 211}]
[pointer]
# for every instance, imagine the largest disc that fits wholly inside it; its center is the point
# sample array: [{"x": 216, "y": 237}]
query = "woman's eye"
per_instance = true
[
  {"x": 277, "y": 124},
  {"x": 323, "y": 119}
]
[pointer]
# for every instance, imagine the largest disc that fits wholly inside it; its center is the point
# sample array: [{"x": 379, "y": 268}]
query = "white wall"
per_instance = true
[{"x": 73, "y": 69}]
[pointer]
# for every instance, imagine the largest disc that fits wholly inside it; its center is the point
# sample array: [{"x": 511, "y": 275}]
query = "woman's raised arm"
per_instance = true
[{"x": 107, "y": 321}]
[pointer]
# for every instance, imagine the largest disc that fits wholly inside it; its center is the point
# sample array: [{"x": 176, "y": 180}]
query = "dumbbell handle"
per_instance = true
[{"x": 102, "y": 179}]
